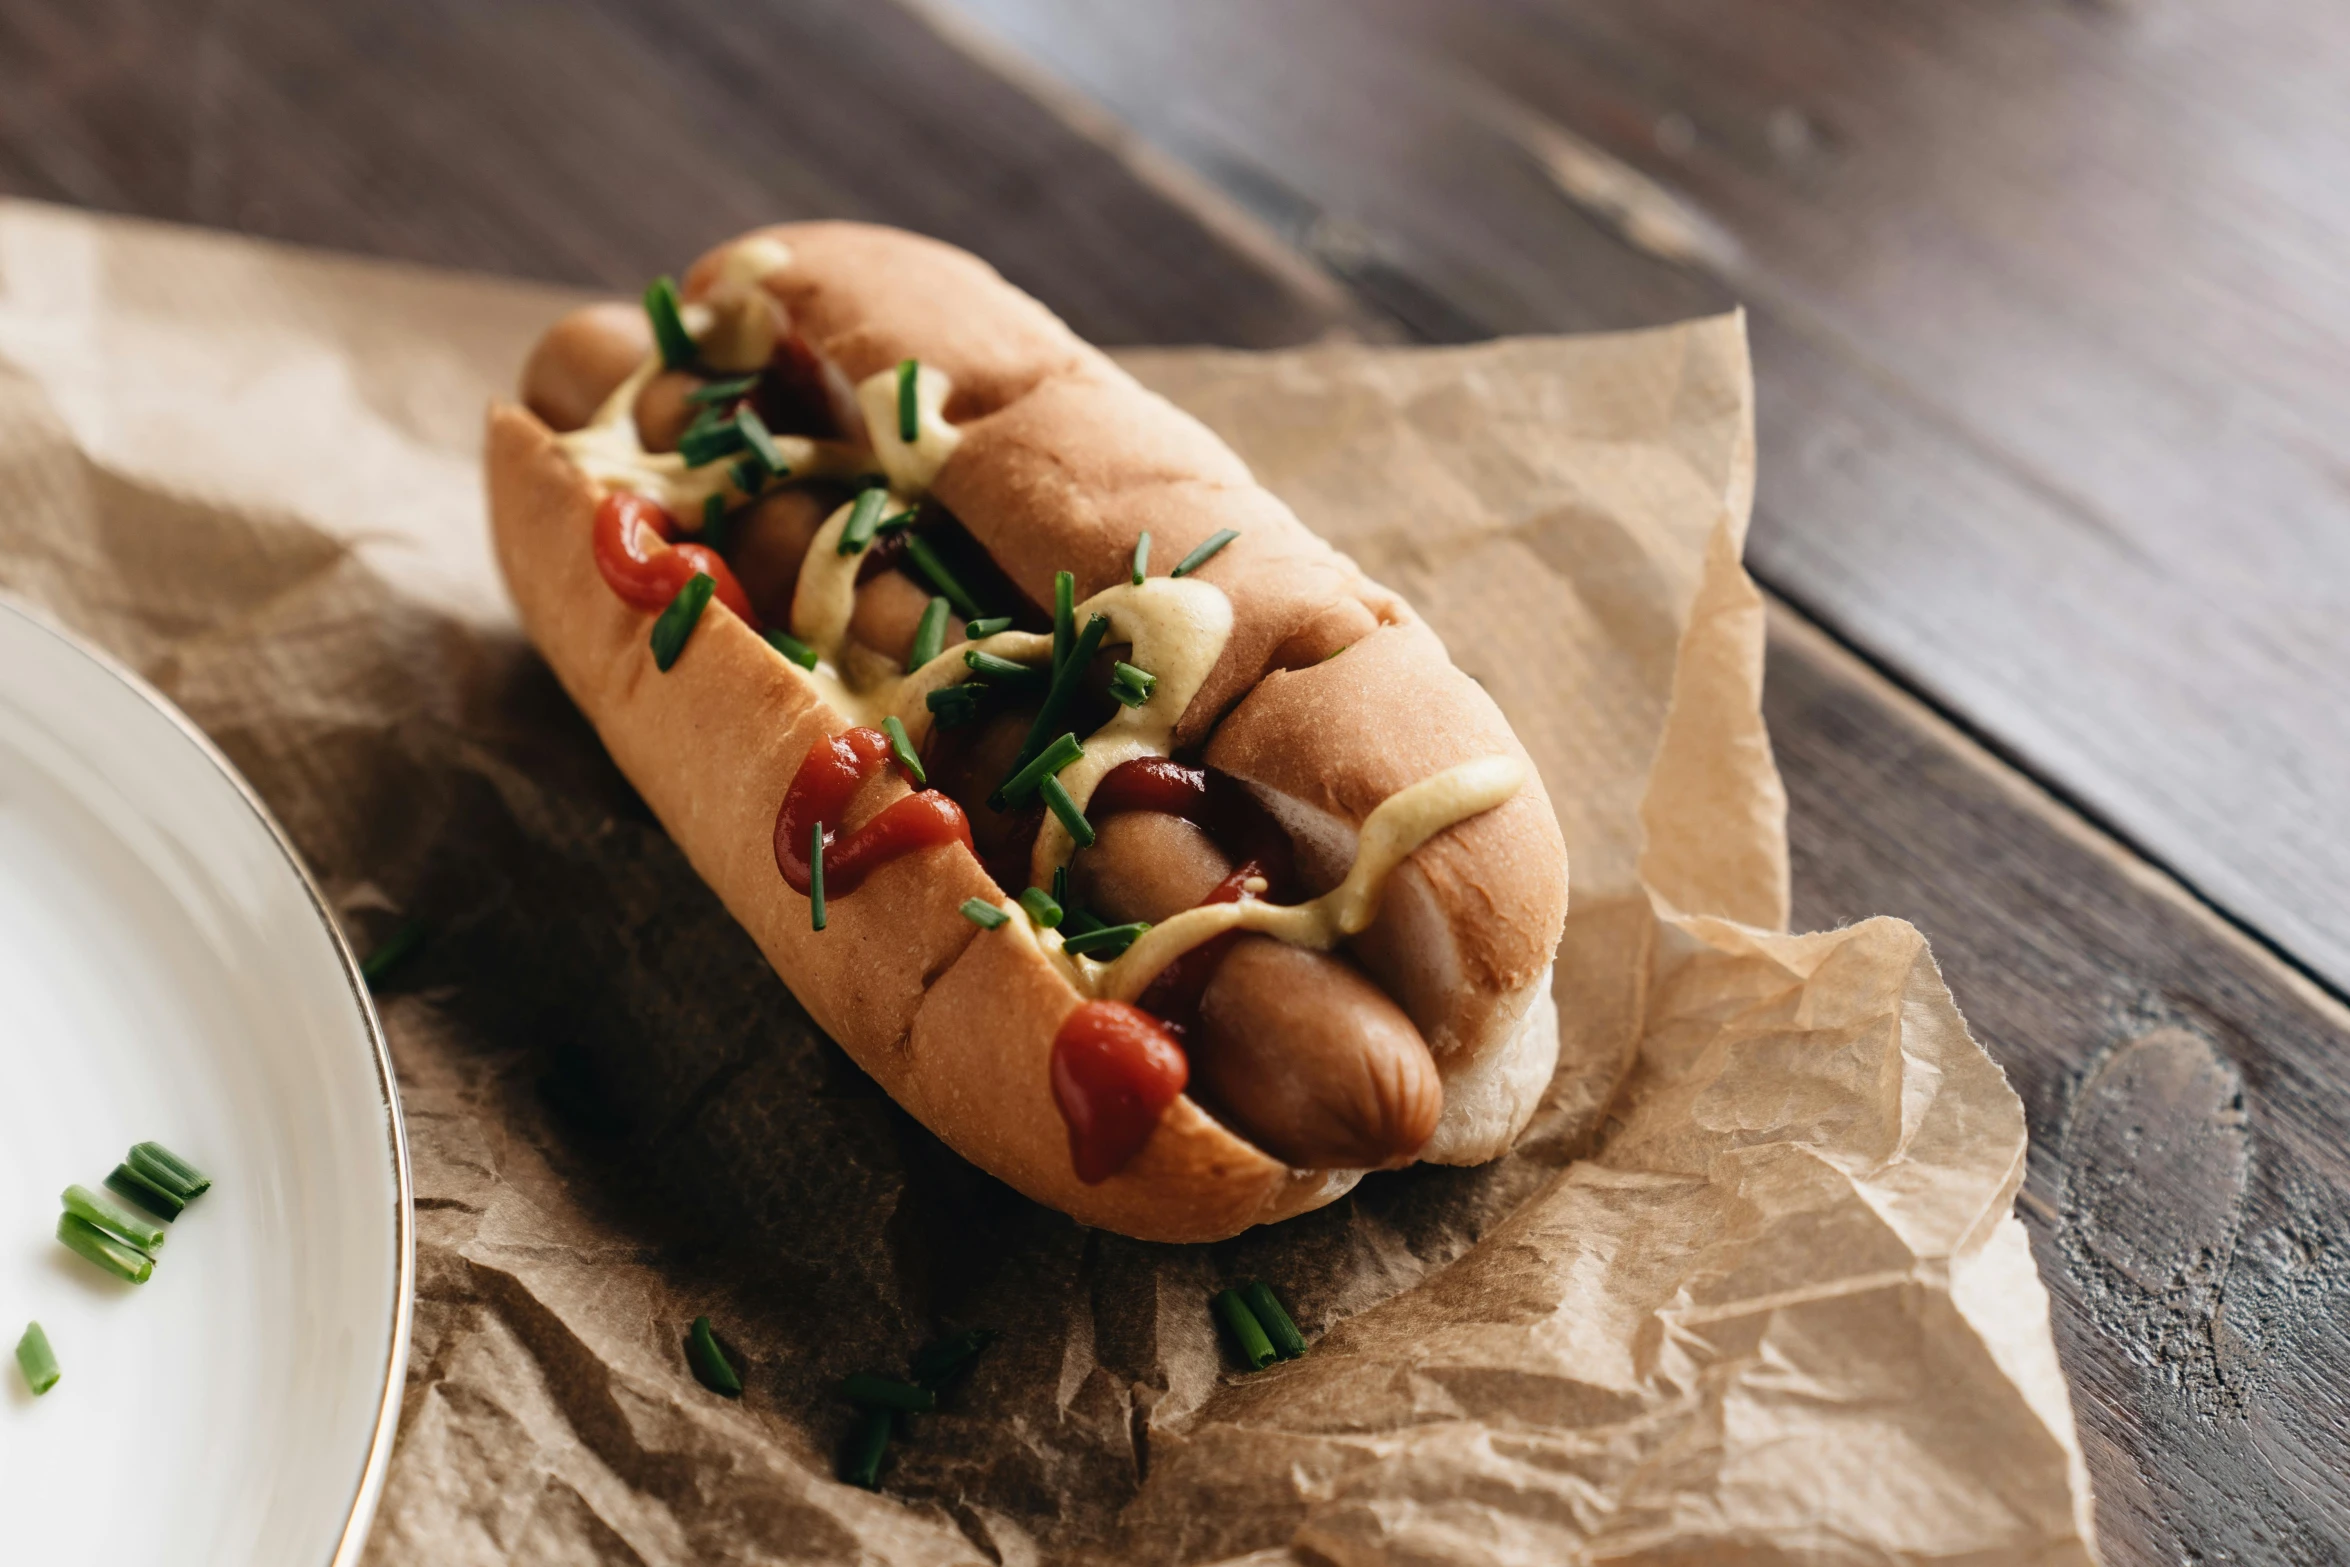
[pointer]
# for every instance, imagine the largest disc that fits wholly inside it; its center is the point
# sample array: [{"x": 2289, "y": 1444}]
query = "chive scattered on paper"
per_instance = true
[
  {"x": 909, "y": 400},
  {"x": 937, "y": 1364},
  {"x": 36, "y": 1360},
  {"x": 711, "y": 1367},
  {"x": 1265, "y": 1306},
  {"x": 1206, "y": 552},
  {"x": 871, "y": 1392},
  {"x": 1246, "y": 1333},
  {"x": 861, "y": 1463},
  {"x": 677, "y": 622},
  {"x": 86, "y": 1240},
  {"x": 816, "y": 875},
  {"x": 791, "y": 647},
  {"x": 984, "y": 914},
  {"x": 111, "y": 1219},
  {"x": 661, "y": 308},
  {"x": 930, "y": 634},
  {"x": 392, "y": 951},
  {"x": 901, "y": 746}
]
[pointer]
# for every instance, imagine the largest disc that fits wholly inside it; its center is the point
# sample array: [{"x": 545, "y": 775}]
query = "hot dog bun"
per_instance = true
[{"x": 1063, "y": 461}]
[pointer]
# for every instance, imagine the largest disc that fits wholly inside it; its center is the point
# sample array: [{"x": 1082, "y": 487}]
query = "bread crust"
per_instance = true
[{"x": 1063, "y": 461}]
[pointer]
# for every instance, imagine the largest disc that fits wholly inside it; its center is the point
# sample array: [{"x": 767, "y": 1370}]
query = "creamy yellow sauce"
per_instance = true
[
  {"x": 1177, "y": 629},
  {"x": 1394, "y": 830}
]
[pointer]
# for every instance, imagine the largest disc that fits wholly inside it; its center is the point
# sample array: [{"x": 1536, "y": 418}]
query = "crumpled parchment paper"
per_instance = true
[{"x": 1750, "y": 1290}]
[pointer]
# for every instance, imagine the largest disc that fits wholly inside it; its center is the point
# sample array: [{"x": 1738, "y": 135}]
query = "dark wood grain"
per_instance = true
[
  {"x": 2188, "y": 1178},
  {"x": 2051, "y": 315},
  {"x": 2188, "y": 1184}
]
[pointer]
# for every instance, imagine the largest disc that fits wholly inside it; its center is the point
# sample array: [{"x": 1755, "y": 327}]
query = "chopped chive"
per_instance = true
[
  {"x": 703, "y": 422},
  {"x": 661, "y": 308},
  {"x": 1022, "y": 785},
  {"x": 110, "y": 1219},
  {"x": 1064, "y": 616},
  {"x": 1142, "y": 557},
  {"x": 872, "y": 1392},
  {"x": 1206, "y": 552},
  {"x": 861, "y": 1462},
  {"x": 1041, "y": 907},
  {"x": 1130, "y": 685},
  {"x": 677, "y": 622},
  {"x": 919, "y": 551},
  {"x": 1265, "y": 1306},
  {"x": 36, "y": 1359},
  {"x": 1061, "y": 884},
  {"x": 791, "y": 647},
  {"x": 1002, "y": 671},
  {"x": 1109, "y": 940},
  {"x": 901, "y": 746},
  {"x": 394, "y": 950},
  {"x": 711, "y": 1367},
  {"x": 124, "y": 1181},
  {"x": 904, "y": 519},
  {"x": 951, "y": 707},
  {"x": 84, "y": 1239},
  {"x": 749, "y": 474},
  {"x": 816, "y": 875},
  {"x": 979, "y": 629},
  {"x": 909, "y": 400},
  {"x": 857, "y": 533},
  {"x": 702, "y": 444},
  {"x": 938, "y": 1362},
  {"x": 725, "y": 391},
  {"x": 1064, "y": 689},
  {"x": 984, "y": 914},
  {"x": 1248, "y": 1336},
  {"x": 930, "y": 634},
  {"x": 175, "y": 1175},
  {"x": 714, "y": 521},
  {"x": 757, "y": 437},
  {"x": 1076, "y": 922},
  {"x": 1057, "y": 800}
]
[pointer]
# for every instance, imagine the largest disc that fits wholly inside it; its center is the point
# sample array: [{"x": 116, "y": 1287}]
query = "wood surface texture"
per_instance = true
[
  {"x": 2051, "y": 446},
  {"x": 2051, "y": 312}
]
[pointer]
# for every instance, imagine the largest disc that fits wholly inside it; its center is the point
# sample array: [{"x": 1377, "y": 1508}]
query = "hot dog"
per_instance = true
[{"x": 1197, "y": 884}]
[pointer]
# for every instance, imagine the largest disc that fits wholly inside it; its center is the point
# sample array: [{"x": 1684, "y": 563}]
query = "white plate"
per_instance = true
[{"x": 168, "y": 971}]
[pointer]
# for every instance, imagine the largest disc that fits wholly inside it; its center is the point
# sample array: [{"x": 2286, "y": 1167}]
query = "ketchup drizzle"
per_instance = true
[
  {"x": 1115, "y": 1070},
  {"x": 836, "y": 767}
]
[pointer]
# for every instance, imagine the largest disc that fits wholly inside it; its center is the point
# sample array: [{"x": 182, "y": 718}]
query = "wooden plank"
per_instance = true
[
  {"x": 602, "y": 145},
  {"x": 2192, "y": 1243},
  {"x": 2185, "y": 1094},
  {"x": 2052, "y": 318}
]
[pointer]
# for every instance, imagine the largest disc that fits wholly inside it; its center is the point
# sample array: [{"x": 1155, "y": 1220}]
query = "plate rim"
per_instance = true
[{"x": 369, "y": 1492}]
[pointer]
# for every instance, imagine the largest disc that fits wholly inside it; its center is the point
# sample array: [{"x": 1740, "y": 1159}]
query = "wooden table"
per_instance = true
[{"x": 2053, "y": 344}]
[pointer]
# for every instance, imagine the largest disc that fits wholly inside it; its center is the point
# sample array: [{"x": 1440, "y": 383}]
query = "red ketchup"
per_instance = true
[
  {"x": 1115, "y": 1071},
  {"x": 634, "y": 552},
  {"x": 835, "y": 768}
]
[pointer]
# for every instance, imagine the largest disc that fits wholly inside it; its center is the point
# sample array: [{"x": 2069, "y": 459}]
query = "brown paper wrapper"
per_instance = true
[{"x": 1749, "y": 1290}]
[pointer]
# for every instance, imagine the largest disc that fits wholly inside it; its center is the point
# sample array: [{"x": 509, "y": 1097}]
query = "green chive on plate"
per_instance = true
[{"x": 172, "y": 977}]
